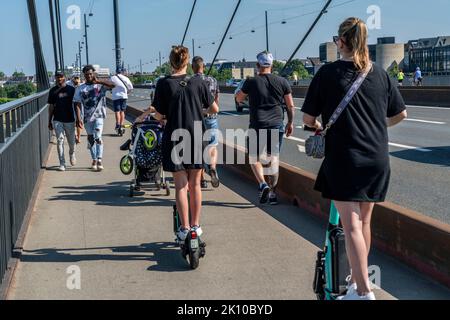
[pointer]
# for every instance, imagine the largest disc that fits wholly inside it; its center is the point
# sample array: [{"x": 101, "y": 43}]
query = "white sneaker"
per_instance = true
[
  {"x": 198, "y": 229},
  {"x": 62, "y": 168},
  {"x": 100, "y": 166},
  {"x": 182, "y": 234},
  {"x": 73, "y": 160},
  {"x": 351, "y": 287},
  {"x": 94, "y": 165},
  {"x": 353, "y": 296}
]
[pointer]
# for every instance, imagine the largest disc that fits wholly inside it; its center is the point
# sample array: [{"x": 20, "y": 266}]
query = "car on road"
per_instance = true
[
  {"x": 243, "y": 105},
  {"x": 233, "y": 83},
  {"x": 148, "y": 83}
]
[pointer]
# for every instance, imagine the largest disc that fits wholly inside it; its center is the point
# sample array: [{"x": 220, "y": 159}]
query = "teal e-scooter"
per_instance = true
[{"x": 332, "y": 267}]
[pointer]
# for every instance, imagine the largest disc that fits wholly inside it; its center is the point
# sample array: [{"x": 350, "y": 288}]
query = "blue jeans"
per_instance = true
[
  {"x": 94, "y": 130},
  {"x": 212, "y": 125}
]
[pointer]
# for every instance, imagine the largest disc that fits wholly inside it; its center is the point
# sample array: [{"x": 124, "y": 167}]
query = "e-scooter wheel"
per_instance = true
[
  {"x": 126, "y": 165},
  {"x": 193, "y": 243},
  {"x": 194, "y": 259}
]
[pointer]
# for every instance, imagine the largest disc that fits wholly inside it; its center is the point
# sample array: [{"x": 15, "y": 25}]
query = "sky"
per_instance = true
[{"x": 150, "y": 26}]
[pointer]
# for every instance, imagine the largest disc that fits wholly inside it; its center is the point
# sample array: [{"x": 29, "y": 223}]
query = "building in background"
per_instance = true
[
  {"x": 328, "y": 52},
  {"x": 432, "y": 55},
  {"x": 389, "y": 54}
]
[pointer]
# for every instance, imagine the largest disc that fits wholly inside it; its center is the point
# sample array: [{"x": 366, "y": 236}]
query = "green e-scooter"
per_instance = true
[{"x": 332, "y": 267}]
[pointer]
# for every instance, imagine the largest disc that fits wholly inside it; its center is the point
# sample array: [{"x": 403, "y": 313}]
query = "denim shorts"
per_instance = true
[
  {"x": 212, "y": 125},
  {"x": 120, "y": 105}
]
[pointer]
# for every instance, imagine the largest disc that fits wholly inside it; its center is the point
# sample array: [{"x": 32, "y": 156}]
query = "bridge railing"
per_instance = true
[{"x": 24, "y": 141}]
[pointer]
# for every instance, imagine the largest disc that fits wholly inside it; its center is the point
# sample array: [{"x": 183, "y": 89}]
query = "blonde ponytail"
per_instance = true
[{"x": 354, "y": 32}]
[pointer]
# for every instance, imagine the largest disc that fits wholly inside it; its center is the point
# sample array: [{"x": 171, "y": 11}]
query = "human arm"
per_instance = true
[
  {"x": 51, "y": 113},
  {"x": 392, "y": 121},
  {"x": 290, "y": 109}
]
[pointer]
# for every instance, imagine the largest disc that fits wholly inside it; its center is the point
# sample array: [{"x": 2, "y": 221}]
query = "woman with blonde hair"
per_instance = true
[
  {"x": 180, "y": 100},
  {"x": 355, "y": 173}
]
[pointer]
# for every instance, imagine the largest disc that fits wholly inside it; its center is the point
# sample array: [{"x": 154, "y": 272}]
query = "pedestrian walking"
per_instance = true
[
  {"x": 268, "y": 95},
  {"x": 211, "y": 122},
  {"x": 122, "y": 89},
  {"x": 90, "y": 99},
  {"x": 76, "y": 82},
  {"x": 62, "y": 118}
]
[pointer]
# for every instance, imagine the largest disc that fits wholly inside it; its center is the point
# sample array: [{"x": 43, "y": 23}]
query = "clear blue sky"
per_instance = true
[{"x": 148, "y": 26}]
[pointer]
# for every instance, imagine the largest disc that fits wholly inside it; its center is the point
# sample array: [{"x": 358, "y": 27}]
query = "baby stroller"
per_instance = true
[{"x": 145, "y": 157}]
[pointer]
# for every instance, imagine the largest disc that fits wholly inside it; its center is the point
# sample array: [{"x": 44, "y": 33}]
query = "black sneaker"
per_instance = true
[
  {"x": 273, "y": 200},
  {"x": 204, "y": 184},
  {"x": 264, "y": 194},
  {"x": 214, "y": 178}
]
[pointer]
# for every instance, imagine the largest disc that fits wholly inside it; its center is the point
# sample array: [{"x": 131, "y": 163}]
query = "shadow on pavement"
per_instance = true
[
  {"x": 114, "y": 194},
  {"x": 397, "y": 279},
  {"x": 166, "y": 255},
  {"x": 437, "y": 156}
]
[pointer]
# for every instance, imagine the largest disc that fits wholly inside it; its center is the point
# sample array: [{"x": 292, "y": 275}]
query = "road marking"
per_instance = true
[
  {"x": 397, "y": 145},
  {"x": 409, "y": 147},
  {"x": 424, "y": 107},
  {"x": 296, "y": 139},
  {"x": 425, "y": 121}
]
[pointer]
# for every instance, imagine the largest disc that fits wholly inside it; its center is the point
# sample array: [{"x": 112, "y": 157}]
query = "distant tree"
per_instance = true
[
  {"x": 222, "y": 76},
  {"x": 2, "y": 75},
  {"x": 165, "y": 69},
  {"x": 20, "y": 90},
  {"x": 277, "y": 67},
  {"x": 18, "y": 74},
  {"x": 297, "y": 66},
  {"x": 50, "y": 74}
]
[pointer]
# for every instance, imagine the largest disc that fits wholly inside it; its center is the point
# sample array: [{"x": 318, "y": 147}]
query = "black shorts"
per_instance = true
[{"x": 267, "y": 140}]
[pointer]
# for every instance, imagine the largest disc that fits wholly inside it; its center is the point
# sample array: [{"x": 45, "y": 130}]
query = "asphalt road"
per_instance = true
[{"x": 419, "y": 146}]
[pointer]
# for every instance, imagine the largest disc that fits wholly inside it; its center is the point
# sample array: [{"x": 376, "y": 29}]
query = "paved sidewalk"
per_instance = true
[{"x": 124, "y": 247}]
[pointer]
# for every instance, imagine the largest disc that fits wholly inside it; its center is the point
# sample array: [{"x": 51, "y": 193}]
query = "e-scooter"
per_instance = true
[
  {"x": 193, "y": 248},
  {"x": 332, "y": 267}
]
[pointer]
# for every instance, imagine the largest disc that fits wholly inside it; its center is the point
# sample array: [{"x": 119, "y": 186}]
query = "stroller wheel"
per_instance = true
[{"x": 126, "y": 165}]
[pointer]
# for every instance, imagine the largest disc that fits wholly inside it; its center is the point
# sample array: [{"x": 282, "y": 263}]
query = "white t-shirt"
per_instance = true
[{"x": 120, "y": 91}]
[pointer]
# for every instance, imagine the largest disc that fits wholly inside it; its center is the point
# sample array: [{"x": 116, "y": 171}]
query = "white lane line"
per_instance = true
[
  {"x": 301, "y": 149},
  {"x": 425, "y": 121},
  {"x": 397, "y": 145},
  {"x": 424, "y": 107},
  {"x": 296, "y": 139}
]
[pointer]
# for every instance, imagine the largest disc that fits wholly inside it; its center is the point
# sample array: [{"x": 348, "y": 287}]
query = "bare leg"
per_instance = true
[
  {"x": 355, "y": 244},
  {"x": 181, "y": 187},
  {"x": 117, "y": 114},
  {"x": 366, "y": 217},
  {"x": 258, "y": 171},
  {"x": 213, "y": 156},
  {"x": 122, "y": 118},
  {"x": 195, "y": 196}
]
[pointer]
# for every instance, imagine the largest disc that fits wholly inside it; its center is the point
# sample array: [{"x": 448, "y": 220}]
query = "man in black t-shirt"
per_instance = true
[
  {"x": 62, "y": 118},
  {"x": 268, "y": 96}
]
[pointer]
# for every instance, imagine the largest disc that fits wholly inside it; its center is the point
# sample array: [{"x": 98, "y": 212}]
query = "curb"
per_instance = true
[{"x": 420, "y": 242}]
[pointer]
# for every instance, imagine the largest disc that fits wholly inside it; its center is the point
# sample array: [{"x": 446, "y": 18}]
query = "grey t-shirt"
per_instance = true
[{"x": 93, "y": 101}]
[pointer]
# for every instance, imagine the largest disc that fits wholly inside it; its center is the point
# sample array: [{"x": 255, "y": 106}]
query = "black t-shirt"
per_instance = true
[
  {"x": 266, "y": 96},
  {"x": 360, "y": 135},
  {"x": 62, "y": 98},
  {"x": 183, "y": 108}
]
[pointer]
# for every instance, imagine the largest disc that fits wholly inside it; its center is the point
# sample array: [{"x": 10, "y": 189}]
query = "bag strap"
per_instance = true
[
  {"x": 348, "y": 97},
  {"x": 126, "y": 86}
]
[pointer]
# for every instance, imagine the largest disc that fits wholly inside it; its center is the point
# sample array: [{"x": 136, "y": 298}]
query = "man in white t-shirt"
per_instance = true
[{"x": 120, "y": 96}]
